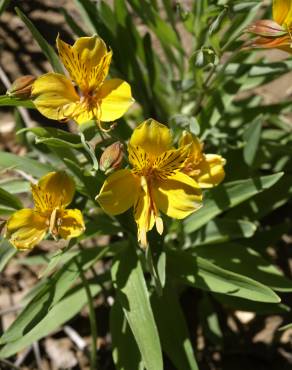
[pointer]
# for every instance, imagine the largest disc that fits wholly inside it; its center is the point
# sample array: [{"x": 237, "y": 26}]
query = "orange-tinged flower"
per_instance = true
[
  {"x": 274, "y": 33},
  {"x": 51, "y": 195},
  {"x": 93, "y": 97},
  {"x": 155, "y": 183}
]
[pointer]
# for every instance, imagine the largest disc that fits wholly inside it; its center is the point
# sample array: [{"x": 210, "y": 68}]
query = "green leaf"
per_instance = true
[
  {"x": 285, "y": 327},
  {"x": 9, "y": 101},
  {"x": 209, "y": 320},
  {"x": 221, "y": 230},
  {"x": 43, "y": 44},
  {"x": 202, "y": 274},
  {"x": 267, "y": 236},
  {"x": 133, "y": 296},
  {"x": 54, "y": 137},
  {"x": 50, "y": 294},
  {"x": 6, "y": 211},
  {"x": 226, "y": 196},
  {"x": 9, "y": 200},
  {"x": 162, "y": 29},
  {"x": 7, "y": 251},
  {"x": 245, "y": 261},
  {"x": 125, "y": 351},
  {"x": 30, "y": 166},
  {"x": 15, "y": 186},
  {"x": 266, "y": 202},
  {"x": 77, "y": 30},
  {"x": 63, "y": 311},
  {"x": 91, "y": 16},
  {"x": 87, "y": 9},
  {"x": 252, "y": 138},
  {"x": 173, "y": 329},
  {"x": 259, "y": 308},
  {"x": 3, "y": 5},
  {"x": 238, "y": 25}
]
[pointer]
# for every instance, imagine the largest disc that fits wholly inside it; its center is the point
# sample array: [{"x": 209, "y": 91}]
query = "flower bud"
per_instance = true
[
  {"x": 266, "y": 28},
  {"x": 21, "y": 87},
  {"x": 111, "y": 158}
]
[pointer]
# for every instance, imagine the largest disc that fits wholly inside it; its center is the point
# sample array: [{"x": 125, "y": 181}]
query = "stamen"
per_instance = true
[
  {"x": 52, "y": 225},
  {"x": 142, "y": 237},
  {"x": 289, "y": 32},
  {"x": 159, "y": 225}
]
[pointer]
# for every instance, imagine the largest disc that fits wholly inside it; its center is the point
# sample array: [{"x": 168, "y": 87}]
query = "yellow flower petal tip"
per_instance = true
[
  {"x": 155, "y": 183},
  {"x": 53, "y": 192},
  {"x": 87, "y": 62}
]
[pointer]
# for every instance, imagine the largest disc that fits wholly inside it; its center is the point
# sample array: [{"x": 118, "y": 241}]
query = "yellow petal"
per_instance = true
[
  {"x": 152, "y": 136},
  {"x": 282, "y": 12},
  {"x": 170, "y": 161},
  {"x": 177, "y": 196},
  {"x": 83, "y": 114},
  {"x": 138, "y": 158},
  {"x": 195, "y": 146},
  {"x": 211, "y": 171},
  {"x": 70, "y": 223},
  {"x": 118, "y": 192},
  {"x": 115, "y": 99},
  {"x": 144, "y": 214},
  {"x": 55, "y": 96},
  {"x": 26, "y": 228},
  {"x": 87, "y": 61},
  {"x": 54, "y": 190}
]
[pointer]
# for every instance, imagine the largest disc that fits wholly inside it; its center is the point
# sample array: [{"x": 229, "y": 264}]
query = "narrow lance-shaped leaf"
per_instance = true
[
  {"x": 221, "y": 230},
  {"x": 127, "y": 275},
  {"x": 246, "y": 261},
  {"x": 126, "y": 354},
  {"x": 49, "y": 295},
  {"x": 62, "y": 312},
  {"x": 9, "y": 200},
  {"x": 6, "y": 252},
  {"x": 43, "y": 44},
  {"x": 9, "y": 101},
  {"x": 173, "y": 329},
  {"x": 3, "y": 5},
  {"x": 252, "y": 138},
  {"x": 28, "y": 165},
  {"x": 226, "y": 196},
  {"x": 200, "y": 273}
]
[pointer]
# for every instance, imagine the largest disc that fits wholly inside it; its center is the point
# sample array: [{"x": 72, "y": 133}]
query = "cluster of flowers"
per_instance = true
[{"x": 161, "y": 178}]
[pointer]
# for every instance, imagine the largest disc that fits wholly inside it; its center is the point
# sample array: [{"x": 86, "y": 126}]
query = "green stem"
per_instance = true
[
  {"x": 208, "y": 82},
  {"x": 92, "y": 320},
  {"x": 201, "y": 96},
  {"x": 89, "y": 150}
]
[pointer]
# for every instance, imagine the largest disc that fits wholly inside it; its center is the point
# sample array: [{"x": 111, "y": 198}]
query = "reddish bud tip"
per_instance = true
[
  {"x": 112, "y": 157},
  {"x": 21, "y": 87}
]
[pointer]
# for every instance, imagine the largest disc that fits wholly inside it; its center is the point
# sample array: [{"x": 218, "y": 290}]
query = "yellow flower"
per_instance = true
[
  {"x": 51, "y": 195},
  {"x": 274, "y": 33},
  {"x": 206, "y": 169},
  {"x": 87, "y": 62},
  {"x": 155, "y": 182},
  {"x": 282, "y": 12}
]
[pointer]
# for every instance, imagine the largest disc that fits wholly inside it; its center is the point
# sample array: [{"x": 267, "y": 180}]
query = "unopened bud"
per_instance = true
[
  {"x": 21, "y": 87},
  {"x": 266, "y": 28},
  {"x": 111, "y": 158}
]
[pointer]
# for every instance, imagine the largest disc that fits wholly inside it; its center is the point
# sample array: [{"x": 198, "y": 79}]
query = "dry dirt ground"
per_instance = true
[{"x": 255, "y": 343}]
